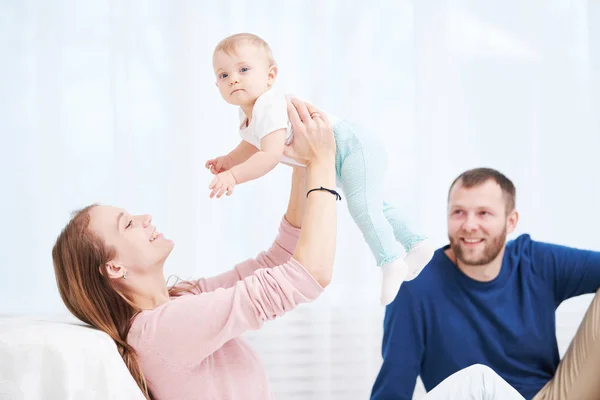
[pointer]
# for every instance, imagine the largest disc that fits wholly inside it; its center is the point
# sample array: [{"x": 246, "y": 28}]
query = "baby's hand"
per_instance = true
[
  {"x": 219, "y": 164},
  {"x": 222, "y": 183}
]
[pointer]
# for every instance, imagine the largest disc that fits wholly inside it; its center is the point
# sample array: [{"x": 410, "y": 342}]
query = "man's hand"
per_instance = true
[
  {"x": 219, "y": 164},
  {"x": 221, "y": 184}
]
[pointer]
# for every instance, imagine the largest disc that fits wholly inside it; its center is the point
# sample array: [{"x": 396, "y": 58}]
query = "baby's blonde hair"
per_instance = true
[{"x": 230, "y": 44}]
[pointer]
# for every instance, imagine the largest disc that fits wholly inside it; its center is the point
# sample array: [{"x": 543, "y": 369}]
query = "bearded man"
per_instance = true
[{"x": 483, "y": 300}]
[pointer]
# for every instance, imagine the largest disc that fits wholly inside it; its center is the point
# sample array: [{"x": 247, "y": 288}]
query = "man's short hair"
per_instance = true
[{"x": 478, "y": 176}]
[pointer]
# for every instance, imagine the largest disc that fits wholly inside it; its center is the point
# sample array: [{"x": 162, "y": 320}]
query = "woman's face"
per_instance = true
[{"x": 140, "y": 248}]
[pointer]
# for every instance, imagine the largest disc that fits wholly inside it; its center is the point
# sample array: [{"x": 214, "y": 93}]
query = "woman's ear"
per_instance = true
[{"x": 113, "y": 270}]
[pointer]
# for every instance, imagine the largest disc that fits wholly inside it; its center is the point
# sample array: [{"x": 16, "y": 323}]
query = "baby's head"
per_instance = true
[{"x": 244, "y": 67}]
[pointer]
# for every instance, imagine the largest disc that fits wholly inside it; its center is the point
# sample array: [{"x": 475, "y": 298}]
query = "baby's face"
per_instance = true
[{"x": 244, "y": 75}]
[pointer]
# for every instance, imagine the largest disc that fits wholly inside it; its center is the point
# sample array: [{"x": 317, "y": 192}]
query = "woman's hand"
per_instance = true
[{"x": 313, "y": 134}]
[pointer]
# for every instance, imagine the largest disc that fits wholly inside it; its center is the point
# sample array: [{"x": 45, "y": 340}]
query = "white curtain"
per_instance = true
[{"x": 115, "y": 102}]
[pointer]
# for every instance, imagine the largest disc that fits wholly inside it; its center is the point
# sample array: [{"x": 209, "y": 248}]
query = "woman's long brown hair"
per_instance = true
[{"x": 78, "y": 256}]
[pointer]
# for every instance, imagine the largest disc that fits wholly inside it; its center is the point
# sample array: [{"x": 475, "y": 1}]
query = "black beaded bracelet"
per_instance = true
[{"x": 337, "y": 195}]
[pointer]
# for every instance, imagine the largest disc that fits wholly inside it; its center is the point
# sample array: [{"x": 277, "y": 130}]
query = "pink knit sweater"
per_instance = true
[{"x": 190, "y": 347}]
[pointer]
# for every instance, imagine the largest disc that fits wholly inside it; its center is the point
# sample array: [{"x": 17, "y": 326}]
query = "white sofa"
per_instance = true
[{"x": 62, "y": 359}]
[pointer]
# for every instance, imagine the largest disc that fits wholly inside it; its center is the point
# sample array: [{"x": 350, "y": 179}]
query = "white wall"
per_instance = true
[{"x": 114, "y": 102}]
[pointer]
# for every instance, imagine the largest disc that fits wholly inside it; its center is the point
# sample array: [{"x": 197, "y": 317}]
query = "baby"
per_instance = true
[{"x": 246, "y": 72}]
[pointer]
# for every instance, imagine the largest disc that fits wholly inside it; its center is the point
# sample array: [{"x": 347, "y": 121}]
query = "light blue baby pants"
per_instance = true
[{"x": 360, "y": 165}]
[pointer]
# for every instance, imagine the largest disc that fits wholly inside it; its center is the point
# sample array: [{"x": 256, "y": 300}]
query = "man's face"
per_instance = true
[{"x": 478, "y": 222}]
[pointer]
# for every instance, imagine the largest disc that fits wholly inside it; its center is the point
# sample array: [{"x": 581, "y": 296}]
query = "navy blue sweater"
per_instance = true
[{"x": 444, "y": 321}]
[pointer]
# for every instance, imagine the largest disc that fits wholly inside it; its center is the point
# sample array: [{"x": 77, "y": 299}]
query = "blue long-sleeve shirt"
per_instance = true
[{"x": 444, "y": 321}]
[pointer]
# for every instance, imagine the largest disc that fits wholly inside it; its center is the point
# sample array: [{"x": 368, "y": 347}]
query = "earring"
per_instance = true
[{"x": 124, "y": 274}]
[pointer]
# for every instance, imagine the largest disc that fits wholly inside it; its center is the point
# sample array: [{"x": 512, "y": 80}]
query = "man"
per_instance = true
[{"x": 484, "y": 301}]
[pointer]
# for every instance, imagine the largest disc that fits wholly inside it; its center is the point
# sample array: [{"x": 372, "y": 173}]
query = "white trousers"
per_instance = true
[{"x": 477, "y": 382}]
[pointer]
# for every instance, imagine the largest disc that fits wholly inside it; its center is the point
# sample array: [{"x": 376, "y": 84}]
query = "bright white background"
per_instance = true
[{"x": 115, "y": 102}]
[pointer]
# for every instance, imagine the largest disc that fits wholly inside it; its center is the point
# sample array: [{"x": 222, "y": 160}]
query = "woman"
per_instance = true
[{"x": 184, "y": 342}]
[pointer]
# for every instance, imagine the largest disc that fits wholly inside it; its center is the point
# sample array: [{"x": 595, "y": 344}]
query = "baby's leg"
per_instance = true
[
  {"x": 419, "y": 249},
  {"x": 477, "y": 382},
  {"x": 361, "y": 179}
]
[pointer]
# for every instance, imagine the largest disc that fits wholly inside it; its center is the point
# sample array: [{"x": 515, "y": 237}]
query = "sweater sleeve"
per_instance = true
[
  {"x": 571, "y": 271},
  {"x": 402, "y": 348},
  {"x": 279, "y": 253},
  {"x": 192, "y": 327}
]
